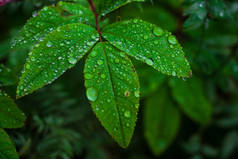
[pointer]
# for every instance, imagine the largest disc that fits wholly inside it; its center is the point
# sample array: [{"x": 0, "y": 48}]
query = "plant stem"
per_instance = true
[{"x": 96, "y": 18}]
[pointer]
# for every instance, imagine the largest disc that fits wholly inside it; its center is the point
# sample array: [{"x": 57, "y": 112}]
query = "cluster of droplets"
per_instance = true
[
  {"x": 48, "y": 19},
  {"x": 53, "y": 56},
  {"x": 150, "y": 44},
  {"x": 112, "y": 86}
]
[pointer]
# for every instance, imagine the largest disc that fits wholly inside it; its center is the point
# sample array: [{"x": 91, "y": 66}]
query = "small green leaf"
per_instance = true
[
  {"x": 150, "y": 44},
  {"x": 49, "y": 18},
  {"x": 161, "y": 121},
  {"x": 59, "y": 51},
  {"x": 113, "y": 89},
  {"x": 10, "y": 115},
  {"x": 7, "y": 149},
  {"x": 107, "y": 6},
  {"x": 191, "y": 99}
]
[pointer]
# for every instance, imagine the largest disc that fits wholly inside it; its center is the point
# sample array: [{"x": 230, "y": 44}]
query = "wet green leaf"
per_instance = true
[
  {"x": 7, "y": 149},
  {"x": 113, "y": 90},
  {"x": 191, "y": 98},
  {"x": 10, "y": 115},
  {"x": 161, "y": 121},
  {"x": 150, "y": 44},
  {"x": 59, "y": 51},
  {"x": 107, "y": 6},
  {"x": 49, "y": 18}
]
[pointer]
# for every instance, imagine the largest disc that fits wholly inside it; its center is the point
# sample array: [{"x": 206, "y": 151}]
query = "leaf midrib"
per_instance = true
[{"x": 113, "y": 90}]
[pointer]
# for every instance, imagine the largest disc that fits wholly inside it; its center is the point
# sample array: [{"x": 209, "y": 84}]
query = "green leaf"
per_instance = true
[
  {"x": 161, "y": 121},
  {"x": 150, "y": 44},
  {"x": 106, "y": 6},
  {"x": 60, "y": 50},
  {"x": 7, "y": 149},
  {"x": 113, "y": 89},
  {"x": 191, "y": 99},
  {"x": 10, "y": 115},
  {"x": 49, "y": 18}
]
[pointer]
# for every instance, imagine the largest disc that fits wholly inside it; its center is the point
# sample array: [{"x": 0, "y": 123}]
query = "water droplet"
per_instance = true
[
  {"x": 92, "y": 94},
  {"x": 173, "y": 73},
  {"x": 172, "y": 39},
  {"x": 146, "y": 37},
  {"x": 158, "y": 31},
  {"x": 100, "y": 62},
  {"x": 103, "y": 75},
  {"x": 117, "y": 60},
  {"x": 156, "y": 42},
  {"x": 137, "y": 93},
  {"x": 93, "y": 53},
  {"x": 137, "y": 106},
  {"x": 72, "y": 60},
  {"x": 135, "y": 20},
  {"x": 127, "y": 114},
  {"x": 49, "y": 44},
  {"x": 28, "y": 66},
  {"x": 149, "y": 62},
  {"x": 88, "y": 76}
]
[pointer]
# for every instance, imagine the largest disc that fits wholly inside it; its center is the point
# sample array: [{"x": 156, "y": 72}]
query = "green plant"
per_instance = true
[
  {"x": 63, "y": 34},
  {"x": 179, "y": 117}
]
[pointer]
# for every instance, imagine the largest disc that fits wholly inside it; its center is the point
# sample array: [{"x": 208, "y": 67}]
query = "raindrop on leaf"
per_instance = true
[{"x": 92, "y": 94}]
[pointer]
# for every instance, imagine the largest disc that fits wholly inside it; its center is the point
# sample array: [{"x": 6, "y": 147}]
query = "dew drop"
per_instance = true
[
  {"x": 100, "y": 62},
  {"x": 137, "y": 93},
  {"x": 49, "y": 44},
  {"x": 92, "y": 94},
  {"x": 173, "y": 73},
  {"x": 94, "y": 53},
  {"x": 72, "y": 60},
  {"x": 146, "y": 37},
  {"x": 135, "y": 20},
  {"x": 172, "y": 39},
  {"x": 137, "y": 106},
  {"x": 156, "y": 42},
  {"x": 117, "y": 60},
  {"x": 103, "y": 75},
  {"x": 127, "y": 114},
  {"x": 28, "y": 66},
  {"x": 88, "y": 76},
  {"x": 158, "y": 31},
  {"x": 149, "y": 62}
]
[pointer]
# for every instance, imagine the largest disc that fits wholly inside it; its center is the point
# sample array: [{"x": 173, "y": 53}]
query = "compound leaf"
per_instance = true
[
  {"x": 7, "y": 149},
  {"x": 107, "y": 6},
  {"x": 161, "y": 121},
  {"x": 150, "y": 44},
  {"x": 113, "y": 90},
  {"x": 10, "y": 115},
  {"x": 59, "y": 51},
  {"x": 49, "y": 18},
  {"x": 191, "y": 99}
]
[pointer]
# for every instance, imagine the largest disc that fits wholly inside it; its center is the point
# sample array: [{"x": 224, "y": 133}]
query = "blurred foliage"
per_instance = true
[{"x": 61, "y": 124}]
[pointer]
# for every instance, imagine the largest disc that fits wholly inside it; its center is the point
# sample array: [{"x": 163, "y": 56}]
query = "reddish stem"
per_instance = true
[{"x": 96, "y": 18}]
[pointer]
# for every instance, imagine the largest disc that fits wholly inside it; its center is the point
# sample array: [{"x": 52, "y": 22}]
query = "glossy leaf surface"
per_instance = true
[
  {"x": 113, "y": 90},
  {"x": 150, "y": 44},
  {"x": 59, "y": 51}
]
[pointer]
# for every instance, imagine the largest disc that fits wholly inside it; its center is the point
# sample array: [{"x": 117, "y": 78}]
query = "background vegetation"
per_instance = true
[{"x": 193, "y": 118}]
